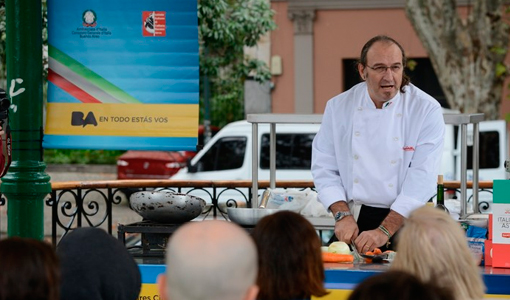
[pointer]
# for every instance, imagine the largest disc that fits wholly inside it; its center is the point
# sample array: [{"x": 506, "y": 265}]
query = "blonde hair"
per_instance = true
[{"x": 433, "y": 246}]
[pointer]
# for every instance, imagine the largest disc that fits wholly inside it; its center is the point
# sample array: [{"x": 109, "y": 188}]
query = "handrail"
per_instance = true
[{"x": 454, "y": 184}]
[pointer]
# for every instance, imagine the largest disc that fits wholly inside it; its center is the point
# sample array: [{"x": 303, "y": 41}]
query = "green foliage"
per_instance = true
[
  {"x": 225, "y": 28},
  {"x": 66, "y": 156}
]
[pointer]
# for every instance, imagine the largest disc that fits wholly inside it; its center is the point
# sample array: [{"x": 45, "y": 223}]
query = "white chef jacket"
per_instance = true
[{"x": 387, "y": 158}]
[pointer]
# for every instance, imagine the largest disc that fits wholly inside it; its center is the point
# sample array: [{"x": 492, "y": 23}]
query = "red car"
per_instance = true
[{"x": 156, "y": 164}]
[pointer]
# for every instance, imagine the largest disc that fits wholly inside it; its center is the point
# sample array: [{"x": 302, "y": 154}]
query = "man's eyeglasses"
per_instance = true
[{"x": 382, "y": 69}]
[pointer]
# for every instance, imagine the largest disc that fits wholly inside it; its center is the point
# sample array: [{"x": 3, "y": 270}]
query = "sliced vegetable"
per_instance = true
[
  {"x": 339, "y": 247},
  {"x": 335, "y": 257}
]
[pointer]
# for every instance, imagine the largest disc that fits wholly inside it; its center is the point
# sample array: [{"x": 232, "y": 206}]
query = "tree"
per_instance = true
[
  {"x": 467, "y": 53},
  {"x": 225, "y": 28}
]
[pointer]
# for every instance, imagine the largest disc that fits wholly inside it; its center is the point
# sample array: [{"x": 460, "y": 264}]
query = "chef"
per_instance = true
[{"x": 377, "y": 154}]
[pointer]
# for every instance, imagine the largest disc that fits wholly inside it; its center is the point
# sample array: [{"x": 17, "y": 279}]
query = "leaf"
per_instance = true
[{"x": 501, "y": 69}]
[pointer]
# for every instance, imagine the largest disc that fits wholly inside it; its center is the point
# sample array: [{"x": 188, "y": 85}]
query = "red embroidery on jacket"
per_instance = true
[{"x": 408, "y": 148}]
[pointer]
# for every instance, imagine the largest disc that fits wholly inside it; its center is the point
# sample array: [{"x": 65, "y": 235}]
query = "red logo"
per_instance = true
[
  {"x": 154, "y": 23},
  {"x": 505, "y": 235},
  {"x": 408, "y": 148}
]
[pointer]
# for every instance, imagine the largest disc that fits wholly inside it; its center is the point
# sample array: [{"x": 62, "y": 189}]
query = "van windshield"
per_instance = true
[
  {"x": 226, "y": 154},
  {"x": 293, "y": 151}
]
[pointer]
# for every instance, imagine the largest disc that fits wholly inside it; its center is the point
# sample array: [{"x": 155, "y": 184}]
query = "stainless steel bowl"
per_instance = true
[
  {"x": 248, "y": 216},
  {"x": 166, "y": 207}
]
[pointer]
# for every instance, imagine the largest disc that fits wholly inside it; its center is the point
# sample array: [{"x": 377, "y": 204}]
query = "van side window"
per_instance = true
[
  {"x": 226, "y": 154},
  {"x": 489, "y": 146},
  {"x": 293, "y": 151}
]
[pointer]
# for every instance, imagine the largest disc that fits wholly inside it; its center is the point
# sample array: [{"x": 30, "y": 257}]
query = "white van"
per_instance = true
[{"x": 228, "y": 155}]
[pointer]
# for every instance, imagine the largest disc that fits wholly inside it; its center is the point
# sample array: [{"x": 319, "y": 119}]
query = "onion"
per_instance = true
[{"x": 339, "y": 247}]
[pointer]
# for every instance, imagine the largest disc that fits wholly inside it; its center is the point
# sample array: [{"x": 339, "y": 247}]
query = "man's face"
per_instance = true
[{"x": 383, "y": 72}]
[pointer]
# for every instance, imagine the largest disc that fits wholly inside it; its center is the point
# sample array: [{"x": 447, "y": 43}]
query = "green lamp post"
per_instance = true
[{"x": 26, "y": 184}]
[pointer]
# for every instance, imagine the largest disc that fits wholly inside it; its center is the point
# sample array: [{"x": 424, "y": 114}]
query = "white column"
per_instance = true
[{"x": 303, "y": 59}]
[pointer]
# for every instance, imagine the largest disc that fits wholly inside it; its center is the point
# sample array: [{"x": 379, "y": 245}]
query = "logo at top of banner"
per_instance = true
[
  {"x": 154, "y": 23},
  {"x": 89, "y": 28},
  {"x": 89, "y": 18}
]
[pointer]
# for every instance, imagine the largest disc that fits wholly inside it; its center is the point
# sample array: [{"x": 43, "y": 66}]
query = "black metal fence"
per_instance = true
[{"x": 91, "y": 203}]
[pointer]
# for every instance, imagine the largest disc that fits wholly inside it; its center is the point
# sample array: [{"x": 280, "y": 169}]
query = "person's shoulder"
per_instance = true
[
  {"x": 419, "y": 97},
  {"x": 346, "y": 97}
]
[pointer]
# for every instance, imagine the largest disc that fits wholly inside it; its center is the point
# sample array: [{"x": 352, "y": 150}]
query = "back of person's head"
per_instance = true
[
  {"x": 399, "y": 285},
  {"x": 213, "y": 260},
  {"x": 97, "y": 266},
  {"x": 28, "y": 270},
  {"x": 290, "y": 258},
  {"x": 433, "y": 247}
]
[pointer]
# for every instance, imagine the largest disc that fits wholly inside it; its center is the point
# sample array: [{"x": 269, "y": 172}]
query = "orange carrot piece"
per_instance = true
[
  {"x": 335, "y": 257},
  {"x": 377, "y": 251}
]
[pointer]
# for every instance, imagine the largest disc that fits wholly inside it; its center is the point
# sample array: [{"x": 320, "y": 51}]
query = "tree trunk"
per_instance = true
[{"x": 465, "y": 53}]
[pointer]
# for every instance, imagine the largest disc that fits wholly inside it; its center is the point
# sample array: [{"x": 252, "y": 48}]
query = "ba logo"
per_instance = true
[
  {"x": 78, "y": 119},
  {"x": 89, "y": 18}
]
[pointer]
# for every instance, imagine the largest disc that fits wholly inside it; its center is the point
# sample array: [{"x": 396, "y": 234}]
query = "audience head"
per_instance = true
[
  {"x": 28, "y": 270},
  {"x": 210, "y": 260},
  {"x": 433, "y": 247},
  {"x": 97, "y": 266},
  {"x": 400, "y": 285},
  {"x": 290, "y": 258}
]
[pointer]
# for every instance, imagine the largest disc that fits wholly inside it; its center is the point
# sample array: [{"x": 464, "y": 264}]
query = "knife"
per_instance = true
[{"x": 355, "y": 251}]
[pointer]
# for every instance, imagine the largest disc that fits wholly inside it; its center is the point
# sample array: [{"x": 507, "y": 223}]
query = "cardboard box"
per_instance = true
[
  {"x": 501, "y": 224},
  {"x": 488, "y": 252},
  {"x": 489, "y": 227},
  {"x": 501, "y": 256}
]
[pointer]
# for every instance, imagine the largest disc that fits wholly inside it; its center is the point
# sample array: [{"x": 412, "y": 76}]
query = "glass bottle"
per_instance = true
[{"x": 440, "y": 194}]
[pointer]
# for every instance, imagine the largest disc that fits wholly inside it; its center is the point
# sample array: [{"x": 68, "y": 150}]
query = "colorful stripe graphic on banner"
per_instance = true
[{"x": 122, "y": 75}]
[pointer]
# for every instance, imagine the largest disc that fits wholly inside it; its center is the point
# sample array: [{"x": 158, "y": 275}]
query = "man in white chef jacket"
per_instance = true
[{"x": 377, "y": 154}]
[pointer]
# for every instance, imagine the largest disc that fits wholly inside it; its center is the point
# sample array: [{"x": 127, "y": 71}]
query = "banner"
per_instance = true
[{"x": 123, "y": 75}]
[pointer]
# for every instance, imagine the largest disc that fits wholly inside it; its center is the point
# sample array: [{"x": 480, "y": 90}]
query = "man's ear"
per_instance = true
[
  {"x": 162, "y": 287},
  {"x": 252, "y": 292},
  {"x": 361, "y": 71}
]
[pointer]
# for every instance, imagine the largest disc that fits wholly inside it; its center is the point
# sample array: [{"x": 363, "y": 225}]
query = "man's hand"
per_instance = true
[
  {"x": 370, "y": 239},
  {"x": 346, "y": 229}
]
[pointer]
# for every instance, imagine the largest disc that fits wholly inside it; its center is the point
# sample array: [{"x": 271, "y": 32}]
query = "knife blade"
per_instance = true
[{"x": 355, "y": 251}]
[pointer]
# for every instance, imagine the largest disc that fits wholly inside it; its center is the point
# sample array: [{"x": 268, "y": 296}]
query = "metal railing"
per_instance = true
[{"x": 90, "y": 203}]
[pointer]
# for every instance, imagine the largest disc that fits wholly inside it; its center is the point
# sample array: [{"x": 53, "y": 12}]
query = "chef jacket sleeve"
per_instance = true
[
  {"x": 420, "y": 180},
  {"x": 325, "y": 171}
]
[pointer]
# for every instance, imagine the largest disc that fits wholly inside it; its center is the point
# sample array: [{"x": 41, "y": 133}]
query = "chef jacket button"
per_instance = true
[
  {"x": 393, "y": 162},
  {"x": 399, "y": 115},
  {"x": 395, "y": 138},
  {"x": 360, "y": 108},
  {"x": 390, "y": 185},
  {"x": 356, "y": 157},
  {"x": 356, "y": 180},
  {"x": 357, "y": 133}
]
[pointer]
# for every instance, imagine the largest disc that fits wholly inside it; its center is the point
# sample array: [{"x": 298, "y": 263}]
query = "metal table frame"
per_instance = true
[{"x": 461, "y": 120}]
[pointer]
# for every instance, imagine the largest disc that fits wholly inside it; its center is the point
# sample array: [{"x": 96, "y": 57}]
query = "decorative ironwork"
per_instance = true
[{"x": 80, "y": 204}]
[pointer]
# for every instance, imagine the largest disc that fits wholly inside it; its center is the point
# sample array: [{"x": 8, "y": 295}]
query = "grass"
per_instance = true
[{"x": 66, "y": 156}]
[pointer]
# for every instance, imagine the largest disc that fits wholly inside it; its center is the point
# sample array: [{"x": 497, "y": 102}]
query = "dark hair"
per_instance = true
[
  {"x": 398, "y": 285},
  {"x": 95, "y": 265},
  {"x": 385, "y": 39},
  {"x": 29, "y": 270},
  {"x": 290, "y": 259}
]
